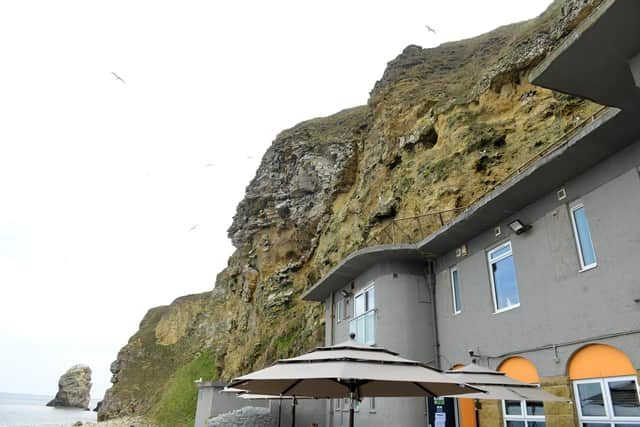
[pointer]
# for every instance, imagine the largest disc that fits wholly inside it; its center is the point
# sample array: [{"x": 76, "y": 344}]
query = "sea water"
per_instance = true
[{"x": 31, "y": 410}]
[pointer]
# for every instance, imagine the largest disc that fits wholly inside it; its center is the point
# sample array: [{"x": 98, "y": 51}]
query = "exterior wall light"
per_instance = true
[
  {"x": 519, "y": 227},
  {"x": 345, "y": 293}
]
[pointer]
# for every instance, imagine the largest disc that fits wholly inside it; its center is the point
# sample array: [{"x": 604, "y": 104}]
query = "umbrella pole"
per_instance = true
[
  {"x": 293, "y": 411},
  {"x": 351, "y": 410}
]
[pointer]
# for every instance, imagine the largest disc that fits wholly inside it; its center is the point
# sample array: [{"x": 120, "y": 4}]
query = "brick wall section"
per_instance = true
[
  {"x": 245, "y": 417},
  {"x": 490, "y": 413},
  {"x": 559, "y": 414}
]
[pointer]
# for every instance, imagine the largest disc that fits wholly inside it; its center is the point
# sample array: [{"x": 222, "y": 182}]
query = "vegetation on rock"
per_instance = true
[{"x": 442, "y": 127}]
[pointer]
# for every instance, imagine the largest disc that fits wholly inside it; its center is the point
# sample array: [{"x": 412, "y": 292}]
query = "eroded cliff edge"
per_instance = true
[{"x": 441, "y": 127}]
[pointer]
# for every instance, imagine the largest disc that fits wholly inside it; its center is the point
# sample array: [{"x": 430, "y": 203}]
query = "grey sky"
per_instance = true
[{"x": 101, "y": 182}]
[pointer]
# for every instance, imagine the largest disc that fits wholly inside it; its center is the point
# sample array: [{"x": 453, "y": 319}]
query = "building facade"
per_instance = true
[{"x": 539, "y": 279}]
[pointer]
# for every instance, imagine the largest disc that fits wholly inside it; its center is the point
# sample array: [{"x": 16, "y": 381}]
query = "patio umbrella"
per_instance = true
[
  {"x": 351, "y": 370},
  {"x": 497, "y": 385}
]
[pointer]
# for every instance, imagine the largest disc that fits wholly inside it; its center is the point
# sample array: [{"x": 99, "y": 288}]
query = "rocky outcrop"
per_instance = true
[
  {"x": 244, "y": 417},
  {"x": 442, "y": 127},
  {"x": 74, "y": 388}
]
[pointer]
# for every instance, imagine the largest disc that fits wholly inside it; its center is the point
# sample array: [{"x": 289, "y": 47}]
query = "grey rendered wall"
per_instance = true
[
  {"x": 307, "y": 411},
  {"x": 403, "y": 324},
  {"x": 558, "y": 303}
]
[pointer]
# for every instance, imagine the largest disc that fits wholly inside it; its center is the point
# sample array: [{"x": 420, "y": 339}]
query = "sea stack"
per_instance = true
[{"x": 74, "y": 388}]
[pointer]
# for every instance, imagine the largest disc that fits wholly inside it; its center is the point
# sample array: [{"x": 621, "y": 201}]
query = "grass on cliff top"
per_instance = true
[{"x": 177, "y": 408}]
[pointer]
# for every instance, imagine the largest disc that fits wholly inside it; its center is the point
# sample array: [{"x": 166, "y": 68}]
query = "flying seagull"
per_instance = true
[
  {"x": 431, "y": 30},
  {"x": 193, "y": 228},
  {"x": 117, "y": 77}
]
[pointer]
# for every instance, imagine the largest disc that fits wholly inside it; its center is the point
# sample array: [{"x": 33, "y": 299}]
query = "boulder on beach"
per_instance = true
[{"x": 74, "y": 388}]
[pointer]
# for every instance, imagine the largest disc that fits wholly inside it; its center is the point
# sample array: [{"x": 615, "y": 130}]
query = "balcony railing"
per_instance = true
[{"x": 364, "y": 326}]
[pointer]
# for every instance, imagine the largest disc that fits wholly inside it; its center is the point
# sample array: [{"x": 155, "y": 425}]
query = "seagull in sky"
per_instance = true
[
  {"x": 431, "y": 30},
  {"x": 193, "y": 228},
  {"x": 117, "y": 77}
]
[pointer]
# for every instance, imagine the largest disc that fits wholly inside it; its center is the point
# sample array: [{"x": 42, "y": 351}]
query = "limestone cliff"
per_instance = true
[{"x": 442, "y": 127}]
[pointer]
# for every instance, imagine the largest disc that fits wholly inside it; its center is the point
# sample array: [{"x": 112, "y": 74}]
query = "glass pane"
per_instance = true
[
  {"x": 360, "y": 330},
  {"x": 506, "y": 286},
  {"x": 515, "y": 423},
  {"x": 457, "y": 306},
  {"x": 594, "y": 424},
  {"x": 626, "y": 425},
  {"x": 624, "y": 398},
  {"x": 591, "y": 401},
  {"x": 535, "y": 408},
  {"x": 536, "y": 424},
  {"x": 512, "y": 407},
  {"x": 584, "y": 236},
  {"x": 360, "y": 305},
  {"x": 372, "y": 403},
  {"x": 370, "y": 332},
  {"x": 371, "y": 299},
  {"x": 499, "y": 252}
]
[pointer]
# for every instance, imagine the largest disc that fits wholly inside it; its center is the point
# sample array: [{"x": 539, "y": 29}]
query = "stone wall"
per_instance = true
[
  {"x": 246, "y": 417},
  {"x": 490, "y": 413}
]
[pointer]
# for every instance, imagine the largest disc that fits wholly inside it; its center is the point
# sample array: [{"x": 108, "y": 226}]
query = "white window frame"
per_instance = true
[
  {"x": 456, "y": 309},
  {"x": 523, "y": 417},
  {"x": 372, "y": 405},
  {"x": 367, "y": 309},
  {"x": 493, "y": 282},
  {"x": 610, "y": 418},
  {"x": 576, "y": 237},
  {"x": 339, "y": 310}
]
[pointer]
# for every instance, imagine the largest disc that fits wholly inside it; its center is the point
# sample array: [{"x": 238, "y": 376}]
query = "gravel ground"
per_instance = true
[{"x": 118, "y": 422}]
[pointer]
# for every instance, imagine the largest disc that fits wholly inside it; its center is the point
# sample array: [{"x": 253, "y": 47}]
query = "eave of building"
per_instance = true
[
  {"x": 357, "y": 263},
  {"x": 593, "y": 62}
]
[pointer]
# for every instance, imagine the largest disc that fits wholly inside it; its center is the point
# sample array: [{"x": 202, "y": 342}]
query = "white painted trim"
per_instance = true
[
  {"x": 576, "y": 237},
  {"x": 490, "y": 262},
  {"x": 608, "y": 406},
  {"x": 456, "y": 310},
  {"x": 523, "y": 417}
]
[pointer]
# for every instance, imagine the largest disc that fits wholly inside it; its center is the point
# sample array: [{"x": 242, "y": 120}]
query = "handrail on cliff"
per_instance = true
[{"x": 393, "y": 232}]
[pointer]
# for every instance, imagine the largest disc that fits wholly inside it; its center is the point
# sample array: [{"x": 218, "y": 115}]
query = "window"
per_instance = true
[
  {"x": 609, "y": 401},
  {"x": 586, "y": 254},
  {"x": 339, "y": 310},
  {"x": 363, "y": 323},
  {"x": 455, "y": 290},
  {"x": 523, "y": 413},
  {"x": 504, "y": 285},
  {"x": 372, "y": 404}
]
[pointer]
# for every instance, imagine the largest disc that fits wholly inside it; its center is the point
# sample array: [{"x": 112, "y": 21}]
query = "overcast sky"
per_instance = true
[{"x": 102, "y": 182}]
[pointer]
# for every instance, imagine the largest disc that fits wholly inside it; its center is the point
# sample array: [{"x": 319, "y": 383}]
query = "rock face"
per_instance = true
[
  {"x": 74, "y": 388},
  {"x": 442, "y": 127}
]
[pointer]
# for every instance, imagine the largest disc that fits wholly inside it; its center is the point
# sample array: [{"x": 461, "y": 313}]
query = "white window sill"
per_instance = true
[
  {"x": 455, "y": 313},
  {"x": 502, "y": 310},
  {"x": 587, "y": 268}
]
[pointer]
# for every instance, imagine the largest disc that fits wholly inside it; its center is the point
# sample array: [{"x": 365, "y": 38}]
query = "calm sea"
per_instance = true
[{"x": 30, "y": 410}]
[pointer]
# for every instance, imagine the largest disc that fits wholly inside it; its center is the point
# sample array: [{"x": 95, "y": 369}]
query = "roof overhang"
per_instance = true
[
  {"x": 595, "y": 60},
  {"x": 357, "y": 263}
]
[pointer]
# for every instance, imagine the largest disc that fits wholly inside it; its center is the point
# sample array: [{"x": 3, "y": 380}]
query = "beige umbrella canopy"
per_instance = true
[
  {"x": 496, "y": 385},
  {"x": 351, "y": 370}
]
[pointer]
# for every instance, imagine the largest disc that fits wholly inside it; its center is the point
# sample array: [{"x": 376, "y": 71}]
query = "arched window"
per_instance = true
[
  {"x": 605, "y": 386},
  {"x": 522, "y": 413}
]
